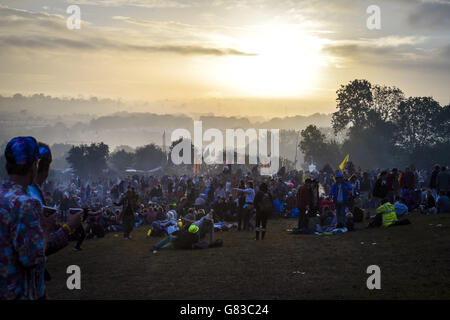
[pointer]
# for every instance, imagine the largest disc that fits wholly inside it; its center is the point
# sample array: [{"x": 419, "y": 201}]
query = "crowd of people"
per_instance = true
[{"x": 40, "y": 216}]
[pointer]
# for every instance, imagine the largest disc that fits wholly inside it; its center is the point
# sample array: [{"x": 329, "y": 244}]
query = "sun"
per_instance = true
[{"x": 286, "y": 63}]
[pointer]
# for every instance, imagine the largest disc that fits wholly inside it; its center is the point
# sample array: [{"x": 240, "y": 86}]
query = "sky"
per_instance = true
[{"x": 227, "y": 57}]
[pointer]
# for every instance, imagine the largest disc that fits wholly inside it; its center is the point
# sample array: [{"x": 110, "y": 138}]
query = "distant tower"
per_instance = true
[{"x": 296, "y": 151}]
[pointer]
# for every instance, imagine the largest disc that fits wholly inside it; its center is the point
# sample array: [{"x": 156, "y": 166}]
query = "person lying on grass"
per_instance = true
[{"x": 187, "y": 239}]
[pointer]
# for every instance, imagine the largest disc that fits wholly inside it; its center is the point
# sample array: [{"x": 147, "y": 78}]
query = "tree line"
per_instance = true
[
  {"x": 95, "y": 159},
  {"x": 384, "y": 129}
]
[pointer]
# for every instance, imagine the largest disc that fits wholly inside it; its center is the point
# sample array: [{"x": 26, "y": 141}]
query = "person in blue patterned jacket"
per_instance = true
[{"x": 24, "y": 229}]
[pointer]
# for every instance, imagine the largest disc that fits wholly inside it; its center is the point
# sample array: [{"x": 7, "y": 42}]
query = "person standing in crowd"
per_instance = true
[
  {"x": 433, "y": 179},
  {"x": 380, "y": 189},
  {"x": 393, "y": 185},
  {"x": 79, "y": 234},
  {"x": 443, "y": 181},
  {"x": 24, "y": 229},
  {"x": 241, "y": 203},
  {"x": 408, "y": 184},
  {"x": 354, "y": 196},
  {"x": 263, "y": 206},
  {"x": 129, "y": 204},
  {"x": 340, "y": 192},
  {"x": 220, "y": 192},
  {"x": 315, "y": 198},
  {"x": 365, "y": 190},
  {"x": 304, "y": 202},
  {"x": 248, "y": 205}
]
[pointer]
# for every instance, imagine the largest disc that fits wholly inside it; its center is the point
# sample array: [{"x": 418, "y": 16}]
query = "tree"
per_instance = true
[
  {"x": 442, "y": 124},
  {"x": 372, "y": 147},
  {"x": 124, "y": 148},
  {"x": 76, "y": 159},
  {"x": 386, "y": 100},
  {"x": 149, "y": 157},
  {"x": 353, "y": 102},
  {"x": 369, "y": 113},
  {"x": 363, "y": 105},
  {"x": 416, "y": 120},
  {"x": 122, "y": 160},
  {"x": 88, "y": 161},
  {"x": 312, "y": 143},
  {"x": 316, "y": 148}
]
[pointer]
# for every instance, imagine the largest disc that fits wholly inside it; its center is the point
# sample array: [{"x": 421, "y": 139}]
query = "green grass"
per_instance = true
[{"x": 414, "y": 262}]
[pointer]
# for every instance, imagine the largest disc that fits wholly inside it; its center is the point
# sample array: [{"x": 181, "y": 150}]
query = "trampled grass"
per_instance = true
[{"x": 414, "y": 262}]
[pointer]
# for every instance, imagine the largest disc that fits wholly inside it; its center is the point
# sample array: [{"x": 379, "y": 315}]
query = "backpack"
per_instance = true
[{"x": 266, "y": 203}]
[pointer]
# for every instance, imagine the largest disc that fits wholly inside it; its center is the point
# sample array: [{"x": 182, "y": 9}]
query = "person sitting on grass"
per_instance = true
[
  {"x": 428, "y": 205},
  {"x": 349, "y": 221},
  {"x": 443, "y": 202},
  {"x": 401, "y": 209},
  {"x": 386, "y": 216},
  {"x": 328, "y": 219},
  {"x": 168, "y": 225}
]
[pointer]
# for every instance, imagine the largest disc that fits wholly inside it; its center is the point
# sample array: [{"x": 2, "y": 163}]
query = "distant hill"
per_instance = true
[{"x": 94, "y": 120}]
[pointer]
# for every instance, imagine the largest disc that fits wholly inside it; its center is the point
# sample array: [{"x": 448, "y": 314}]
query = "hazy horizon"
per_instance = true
[{"x": 230, "y": 107}]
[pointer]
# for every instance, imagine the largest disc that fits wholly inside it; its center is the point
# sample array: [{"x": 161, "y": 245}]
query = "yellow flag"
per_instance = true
[{"x": 344, "y": 162}]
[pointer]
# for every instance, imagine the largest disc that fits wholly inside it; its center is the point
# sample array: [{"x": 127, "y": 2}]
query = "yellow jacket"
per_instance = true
[{"x": 387, "y": 211}]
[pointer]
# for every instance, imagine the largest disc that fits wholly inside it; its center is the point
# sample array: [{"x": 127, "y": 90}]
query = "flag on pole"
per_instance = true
[{"x": 344, "y": 162}]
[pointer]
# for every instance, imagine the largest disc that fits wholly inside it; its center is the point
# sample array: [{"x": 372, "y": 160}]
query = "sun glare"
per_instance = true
[{"x": 286, "y": 63}]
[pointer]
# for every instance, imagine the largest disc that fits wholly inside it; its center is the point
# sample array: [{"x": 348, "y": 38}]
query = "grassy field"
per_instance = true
[{"x": 414, "y": 262}]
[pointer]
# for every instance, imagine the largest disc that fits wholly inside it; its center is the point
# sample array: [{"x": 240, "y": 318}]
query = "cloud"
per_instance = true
[
  {"x": 43, "y": 42},
  {"x": 358, "y": 49},
  {"x": 431, "y": 15},
  {"x": 133, "y": 3},
  {"x": 390, "y": 52},
  {"x": 42, "y": 31}
]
